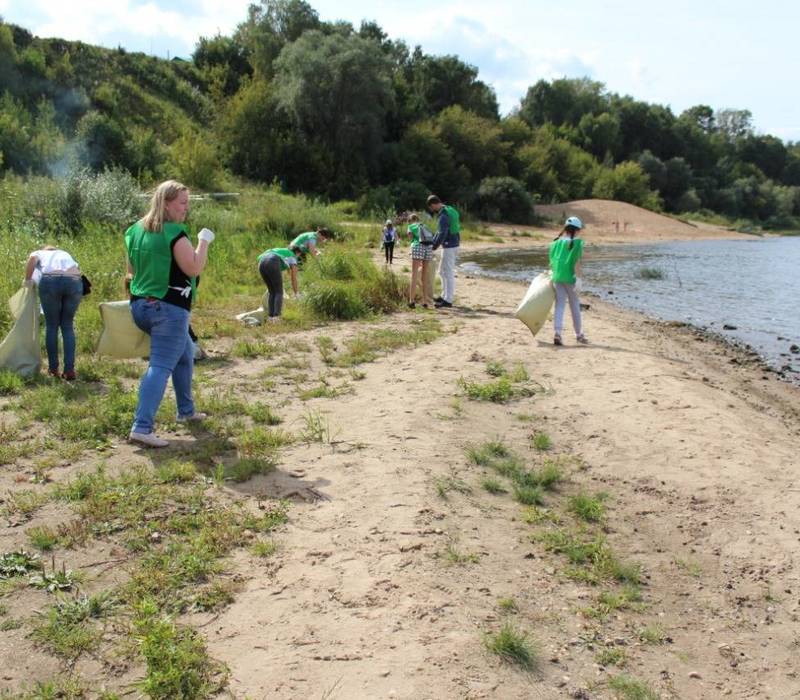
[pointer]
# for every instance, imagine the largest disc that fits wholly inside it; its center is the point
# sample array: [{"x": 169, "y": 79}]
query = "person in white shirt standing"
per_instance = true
[{"x": 60, "y": 294}]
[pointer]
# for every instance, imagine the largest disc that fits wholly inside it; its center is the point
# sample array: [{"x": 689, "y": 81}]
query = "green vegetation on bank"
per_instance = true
[{"x": 346, "y": 113}]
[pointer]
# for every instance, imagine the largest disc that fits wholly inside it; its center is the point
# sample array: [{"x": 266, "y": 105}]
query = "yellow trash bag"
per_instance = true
[
  {"x": 256, "y": 317},
  {"x": 20, "y": 352},
  {"x": 535, "y": 305},
  {"x": 121, "y": 337}
]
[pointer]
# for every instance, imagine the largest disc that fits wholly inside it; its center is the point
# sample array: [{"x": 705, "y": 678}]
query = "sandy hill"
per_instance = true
[{"x": 612, "y": 221}]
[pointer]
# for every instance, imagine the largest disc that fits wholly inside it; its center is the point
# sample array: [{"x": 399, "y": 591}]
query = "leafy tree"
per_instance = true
[
  {"x": 734, "y": 124},
  {"x": 225, "y": 59},
  {"x": 475, "y": 142},
  {"x": 600, "y": 134},
  {"x": 654, "y": 168},
  {"x": 627, "y": 182},
  {"x": 766, "y": 152},
  {"x": 103, "y": 141},
  {"x": 337, "y": 92},
  {"x": 504, "y": 199},
  {"x": 562, "y": 101},
  {"x": 701, "y": 116},
  {"x": 270, "y": 26}
]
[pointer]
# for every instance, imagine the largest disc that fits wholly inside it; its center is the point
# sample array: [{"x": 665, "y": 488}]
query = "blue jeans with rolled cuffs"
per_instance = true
[
  {"x": 171, "y": 354},
  {"x": 60, "y": 296}
]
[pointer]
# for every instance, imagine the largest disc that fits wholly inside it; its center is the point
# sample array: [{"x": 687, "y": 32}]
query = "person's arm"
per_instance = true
[
  {"x": 190, "y": 260},
  {"x": 30, "y": 267},
  {"x": 128, "y": 275},
  {"x": 312, "y": 248},
  {"x": 293, "y": 277},
  {"x": 443, "y": 229}
]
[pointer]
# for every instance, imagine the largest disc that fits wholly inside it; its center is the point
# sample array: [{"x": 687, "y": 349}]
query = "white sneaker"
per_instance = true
[
  {"x": 194, "y": 418},
  {"x": 147, "y": 439}
]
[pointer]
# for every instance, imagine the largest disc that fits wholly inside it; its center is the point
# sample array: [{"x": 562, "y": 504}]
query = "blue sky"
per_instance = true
[{"x": 736, "y": 54}]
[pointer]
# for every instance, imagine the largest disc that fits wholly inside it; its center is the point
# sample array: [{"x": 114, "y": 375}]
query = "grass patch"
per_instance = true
[
  {"x": 611, "y": 656},
  {"x": 590, "y": 509},
  {"x": 177, "y": 664},
  {"x": 445, "y": 484},
  {"x": 513, "y": 647},
  {"x": 508, "y": 605},
  {"x": 43, "y": 538},
  {"x": 629, "y": 597},
  {"x": 367, "y": 347},
  {"x": 528, "y": 495},
  {"x": 541, "y": 442},
  {"x": 11, "y": 384},
  {"x": 454, "y": 556},
  {"x": 263, "y": 548},
  {"x": 66, "y": 629},
  {"x": 653, "y": 634},
  {"x": 316, "y": 428},
  {"x": 19, "y": 563},
  {"x": 500, "y": 391},
  {"x": 493, "y": 486},
  {"x": 627, "y": 688},
  {"x": 692, "y": 568},
  {"x": 248, "y": 348}
]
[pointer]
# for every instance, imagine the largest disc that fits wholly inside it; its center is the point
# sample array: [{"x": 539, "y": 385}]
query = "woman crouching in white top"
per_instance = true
[{"x": 60, "y": 293}]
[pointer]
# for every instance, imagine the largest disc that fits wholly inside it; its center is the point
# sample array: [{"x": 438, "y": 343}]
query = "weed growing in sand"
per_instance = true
[
  {"x": 262, "y": 443},
  {"x": 512, "y": 646},
  {"x": 493, "y": 486},
  {"x": 454, "y": 556},
  {"x": 24, "y": 503},
  {"x": 18, "y": 563},
  {"x": 325, "y": 391},
  {"x": 627, "y": 688},
  {"x": 316, "y": 428},
  {"x": 263, "y": 548},
  {"x": 177, "y": 663},
  {"x": 611, "y": 601},
  {"x": 541, "y": 442},
  {"x": 445, "y": 484},
  {"x": 611, "y": 656},
  {"x": 43, "y": 538},
  {"x": 367, "y": 347},
  {"x": 590, "y": 509},
  {"x": 66, "y": 629},
  {"x": 498, "y": 391},
  {"x": 508, "y": 605},
  {"x": 245, "y": 469},
  {"x": 528, "y": 495},
  {"x": 591, "y": 557},
  {"x": 537, "y": 516},
  {"x": 250, "y": 349},
  {"x": 692, "y": 568},
  {"x": 56, "y": 580},
  {"x": 653, "y": 634}
]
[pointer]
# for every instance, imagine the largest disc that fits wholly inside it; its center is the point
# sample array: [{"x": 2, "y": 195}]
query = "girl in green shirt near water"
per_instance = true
[{"x": 565, "y": 256}]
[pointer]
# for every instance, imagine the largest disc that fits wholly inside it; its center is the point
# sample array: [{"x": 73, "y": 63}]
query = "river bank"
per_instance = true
[{"x": 398, "y": 564}]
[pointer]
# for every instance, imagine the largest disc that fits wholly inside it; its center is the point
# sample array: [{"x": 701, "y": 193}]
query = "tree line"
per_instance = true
[{"x": 341, "y": 112}]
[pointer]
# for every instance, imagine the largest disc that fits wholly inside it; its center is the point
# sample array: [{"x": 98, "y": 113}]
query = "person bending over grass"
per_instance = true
[
  {"x": 162, "y": 271},
  {"x": 308, "y": 242},
  {"x": 60, "y": 294},
  {"x": 271, "y": 265},
  {"x": 565, "y": 262}
]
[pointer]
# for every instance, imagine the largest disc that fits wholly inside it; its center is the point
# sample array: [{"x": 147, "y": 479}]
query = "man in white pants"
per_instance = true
[{"x": 448, "y": 236}]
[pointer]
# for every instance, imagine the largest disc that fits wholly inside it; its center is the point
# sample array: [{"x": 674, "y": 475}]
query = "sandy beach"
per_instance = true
[{"x": 694, "y": 445}]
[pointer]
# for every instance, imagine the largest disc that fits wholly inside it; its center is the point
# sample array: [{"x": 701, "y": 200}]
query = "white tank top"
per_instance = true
[{"x": 56, "y": 262}]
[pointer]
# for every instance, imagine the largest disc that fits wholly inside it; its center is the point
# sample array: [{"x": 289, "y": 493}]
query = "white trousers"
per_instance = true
[
  {"x": 564, "y": 292},
  {"x": 447, "y": 273}
]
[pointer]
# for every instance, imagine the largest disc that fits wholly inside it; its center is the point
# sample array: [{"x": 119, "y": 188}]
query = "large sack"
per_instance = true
[
  {"x": 20, "y": 351},
  {"x": 535, "y": 305},
  {"x": 121, "y": 337},
  {"x": 257, "y": 316}
]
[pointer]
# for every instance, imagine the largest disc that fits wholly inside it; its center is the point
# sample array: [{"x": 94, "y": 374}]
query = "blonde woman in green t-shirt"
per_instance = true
[{"x": 566, "y": 252}]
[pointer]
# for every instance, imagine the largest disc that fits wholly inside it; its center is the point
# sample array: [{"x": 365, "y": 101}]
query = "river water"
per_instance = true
[{"x": 747, "y": 290}]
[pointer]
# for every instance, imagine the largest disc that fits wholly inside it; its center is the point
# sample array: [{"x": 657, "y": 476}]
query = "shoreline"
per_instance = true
[{"x": 746, "y": 353}]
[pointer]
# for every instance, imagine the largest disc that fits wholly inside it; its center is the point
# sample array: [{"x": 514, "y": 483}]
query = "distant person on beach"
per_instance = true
[
  {"x": 448, "y": 236},
  {"x": 388, "y": 239},
  {"x": 162, "y": 272},
  {"x": 309, "y": 242},
  {"x": 565, "y": 256},
  {"x": 421, "y": 255},
  {"x": 60, "y": 294},
  {"x": 271, "y": 265}
]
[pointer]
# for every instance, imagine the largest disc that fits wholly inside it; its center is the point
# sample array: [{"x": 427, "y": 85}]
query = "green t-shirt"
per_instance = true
[
  {"x": 303, "y": 240},
  {"x": 563, "y": 259},
  {"x": 413, "y": 229},
  {"x": 286, "y": 256},
  {"x": 156, "y": 274}
]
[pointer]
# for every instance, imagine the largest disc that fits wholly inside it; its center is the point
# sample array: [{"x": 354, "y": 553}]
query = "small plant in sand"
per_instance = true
[
  {"x": 541, "y": 441},
  {"x": 650, "y": 273},
  {"x": 316, "y": 428},
  {"x": 508, "y": 605},
  {"x": 627, "y": 688},
  {"x": 512, "y": 646},
  {"x": 591, "y": 509},
  {"x": 493, "y": 486}
]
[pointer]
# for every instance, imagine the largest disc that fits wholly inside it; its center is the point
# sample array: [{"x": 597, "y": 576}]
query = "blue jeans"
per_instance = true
[
  {"x": 171, "y": 353},
  {"x": 60, "y": 296}
]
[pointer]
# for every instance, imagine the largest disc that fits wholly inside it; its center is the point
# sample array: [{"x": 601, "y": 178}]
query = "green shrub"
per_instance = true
[{"x": 504, "y": 199}]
